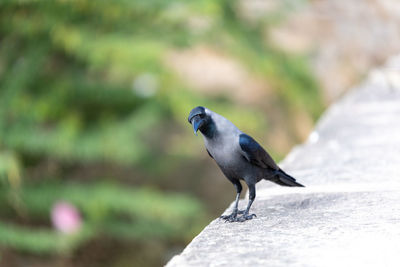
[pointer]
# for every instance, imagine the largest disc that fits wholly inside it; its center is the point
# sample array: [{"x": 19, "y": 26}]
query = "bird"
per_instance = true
[{"x": 238, "y": 156}]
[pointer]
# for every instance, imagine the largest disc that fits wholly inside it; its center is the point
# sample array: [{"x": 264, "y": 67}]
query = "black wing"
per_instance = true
[{"x": 255, "y": 154}]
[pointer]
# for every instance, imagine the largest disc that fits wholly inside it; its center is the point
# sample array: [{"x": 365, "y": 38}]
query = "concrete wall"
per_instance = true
[{"x": 349, "y": 212}]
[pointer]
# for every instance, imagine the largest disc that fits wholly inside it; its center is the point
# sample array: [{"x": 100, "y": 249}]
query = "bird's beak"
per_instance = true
[{"x": 197, "y": 122}]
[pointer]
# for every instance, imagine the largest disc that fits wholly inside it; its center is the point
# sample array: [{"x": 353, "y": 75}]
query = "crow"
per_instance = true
[{"x": 238, "y": 156}]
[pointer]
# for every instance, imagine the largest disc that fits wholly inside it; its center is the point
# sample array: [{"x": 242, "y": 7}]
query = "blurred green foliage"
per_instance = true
[
  {"x": 85, "y": 83},
  {"x": 107, "y": 208}
]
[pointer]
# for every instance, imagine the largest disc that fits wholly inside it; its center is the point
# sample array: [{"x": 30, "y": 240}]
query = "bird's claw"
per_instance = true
[
  {"x": 246, "y": 217},
  {"x": 229, "y": 218},
  {"x": 233, "y": 217}
]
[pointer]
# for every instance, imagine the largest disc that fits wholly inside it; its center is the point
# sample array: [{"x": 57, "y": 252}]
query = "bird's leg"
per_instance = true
[
  {"x": 232, "y": 217},
  {"x": 252, "y": 195}
]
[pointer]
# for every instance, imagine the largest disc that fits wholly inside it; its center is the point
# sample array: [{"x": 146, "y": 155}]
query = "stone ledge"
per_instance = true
[{"x": 348, "y": 215}]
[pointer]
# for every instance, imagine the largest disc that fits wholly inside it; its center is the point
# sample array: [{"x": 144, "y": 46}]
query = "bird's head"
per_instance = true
[{"x": 200, "y": 119}]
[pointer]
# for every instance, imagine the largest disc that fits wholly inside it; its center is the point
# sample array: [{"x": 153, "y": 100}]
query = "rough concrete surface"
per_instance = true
[{"x": 349, "y": 212}]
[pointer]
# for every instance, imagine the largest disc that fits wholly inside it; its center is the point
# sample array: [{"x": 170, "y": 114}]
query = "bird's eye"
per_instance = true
[{"x": 202, "y": 115}]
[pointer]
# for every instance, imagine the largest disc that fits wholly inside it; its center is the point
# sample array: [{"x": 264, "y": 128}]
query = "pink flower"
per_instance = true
[{"x": 65, "y": 217}]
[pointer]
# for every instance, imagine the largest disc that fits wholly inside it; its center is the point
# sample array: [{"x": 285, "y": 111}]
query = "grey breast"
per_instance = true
[{"x": 224, "y": 147}]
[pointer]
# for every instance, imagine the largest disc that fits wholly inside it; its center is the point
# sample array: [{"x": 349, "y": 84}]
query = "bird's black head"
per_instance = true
[{"x": 200, "y": 120}]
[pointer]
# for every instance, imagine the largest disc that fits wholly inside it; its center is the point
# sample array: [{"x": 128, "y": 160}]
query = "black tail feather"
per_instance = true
[{"x": 285, "y": 179}]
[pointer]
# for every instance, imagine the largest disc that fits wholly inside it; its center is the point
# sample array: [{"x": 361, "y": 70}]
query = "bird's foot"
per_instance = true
[
  {"x": 229, "y": 218},
  {"x": 245, "y": 217},
  {"x": 233, "y": 217}
]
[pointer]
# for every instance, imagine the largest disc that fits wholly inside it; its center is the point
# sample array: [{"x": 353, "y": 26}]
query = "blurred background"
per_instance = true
[{"x": 98, "y": 164}]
